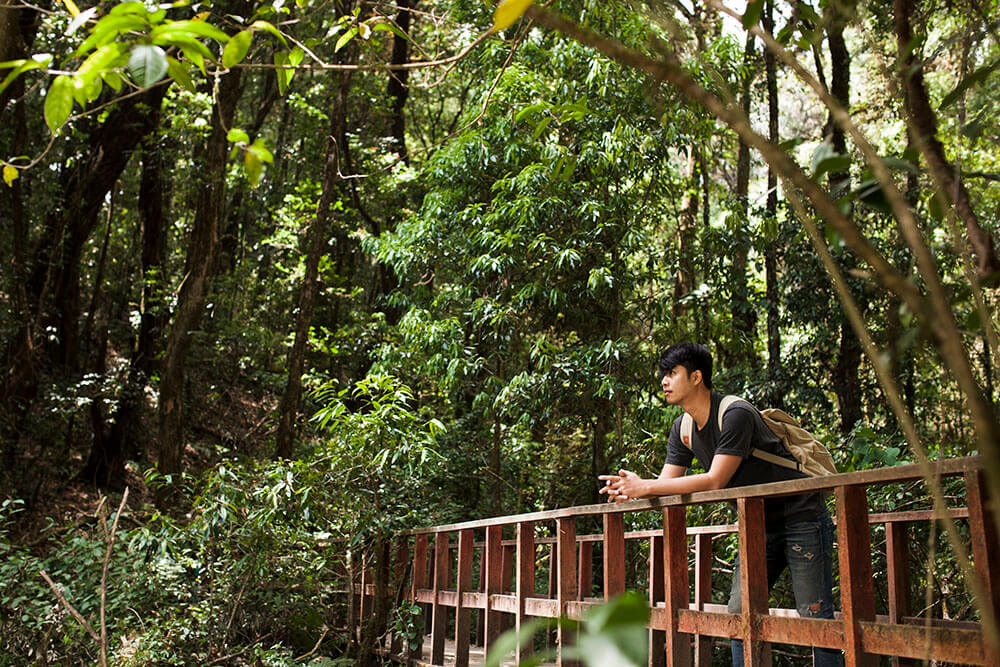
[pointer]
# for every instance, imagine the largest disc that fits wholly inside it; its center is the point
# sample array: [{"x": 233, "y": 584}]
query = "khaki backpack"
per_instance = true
[{"x": 811, "y": 456}]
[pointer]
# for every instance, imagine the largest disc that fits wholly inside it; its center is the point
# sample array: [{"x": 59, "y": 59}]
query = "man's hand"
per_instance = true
[{"x": 626, "y": 485}]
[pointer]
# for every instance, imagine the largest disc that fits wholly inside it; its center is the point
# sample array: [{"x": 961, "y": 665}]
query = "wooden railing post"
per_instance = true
[
  {"x": 525, "y": 581},
  {"x": 507, "y": 582},
  {"x": 419, "y": 581},
  {"x": 675, "y": 584},
  {"x": 985, "y": 548},
  {"x": 566, "y": 550},
  {"x": 753, "y": 579},
  {"x": 585, "y": 570},
  {"x": 854, "y": 541},
  {"x": 493, "y": 563},
  {"x": 657, "y": 638},
  {"x": 440, "y": 620},
  {"x": 614, "y": 555},
  {"x": 702, "y": 594},
  {"x": 897, "y": 563},
  {"x": 463, "y": 614}
]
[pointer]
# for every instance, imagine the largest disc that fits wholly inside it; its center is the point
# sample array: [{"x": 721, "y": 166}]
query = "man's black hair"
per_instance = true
[{"x": 692, "y": 356}]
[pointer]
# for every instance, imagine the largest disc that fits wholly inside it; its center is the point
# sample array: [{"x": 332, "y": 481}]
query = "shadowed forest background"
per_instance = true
[{"x": 302, "y": 274}]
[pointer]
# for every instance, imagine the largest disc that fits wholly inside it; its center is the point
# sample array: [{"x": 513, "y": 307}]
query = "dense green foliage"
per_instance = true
[{"x": 452, "y": 282}]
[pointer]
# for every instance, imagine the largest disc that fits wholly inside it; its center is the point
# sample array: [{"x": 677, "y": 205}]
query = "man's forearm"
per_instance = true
[{"x": 669, "y": 486}]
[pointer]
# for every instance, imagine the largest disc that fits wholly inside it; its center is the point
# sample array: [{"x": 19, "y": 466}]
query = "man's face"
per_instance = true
[{"x": 677, "y": 384}]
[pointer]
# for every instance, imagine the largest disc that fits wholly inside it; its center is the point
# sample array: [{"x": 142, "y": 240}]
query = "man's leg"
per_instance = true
[
  {"x": 809, "y": 551},
  {"x": 775, "y": 566}
]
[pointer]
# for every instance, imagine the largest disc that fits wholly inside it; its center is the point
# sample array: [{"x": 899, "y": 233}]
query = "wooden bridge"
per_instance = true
[{"x": 508, "y": 552}]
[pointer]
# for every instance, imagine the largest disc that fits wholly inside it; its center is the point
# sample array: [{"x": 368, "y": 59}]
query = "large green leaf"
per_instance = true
[
  {"x": 237, "y": 48},
  {"x": 58, "y": 102},
  {"x": 148, "y": 64}
]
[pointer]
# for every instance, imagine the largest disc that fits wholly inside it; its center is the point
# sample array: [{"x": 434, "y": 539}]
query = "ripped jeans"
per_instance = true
[{"x": 806, "y": 548}]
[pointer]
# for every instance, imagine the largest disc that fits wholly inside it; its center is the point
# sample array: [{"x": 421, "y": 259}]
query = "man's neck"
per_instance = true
[{"x": 699, "y": 406}]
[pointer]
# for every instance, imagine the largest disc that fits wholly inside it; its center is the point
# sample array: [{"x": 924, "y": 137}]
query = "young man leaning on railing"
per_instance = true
[{"x": 799, "y": 529}]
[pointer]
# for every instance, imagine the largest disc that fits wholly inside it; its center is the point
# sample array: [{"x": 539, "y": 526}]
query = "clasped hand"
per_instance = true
[{"x": 623, "y": 486}]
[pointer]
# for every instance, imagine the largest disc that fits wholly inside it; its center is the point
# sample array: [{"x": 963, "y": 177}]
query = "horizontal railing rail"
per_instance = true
[{"x": 684, "y": 623}]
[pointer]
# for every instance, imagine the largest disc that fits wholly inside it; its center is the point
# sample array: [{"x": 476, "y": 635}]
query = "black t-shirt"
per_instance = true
[{"x": 742, "y": 431}]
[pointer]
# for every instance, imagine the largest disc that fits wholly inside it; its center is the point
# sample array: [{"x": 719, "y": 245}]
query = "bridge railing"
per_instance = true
[{"x": 684, "y": 624}]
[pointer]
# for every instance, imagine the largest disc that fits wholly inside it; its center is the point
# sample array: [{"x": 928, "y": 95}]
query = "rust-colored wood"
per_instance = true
[
  {"x": 898, "y": 567},
  {"x": 702, "y": 594},
  {"x": 463, "y": 615},
  {"x": 657, "y": 638},
  {"x": 614, "y": 555},
  {"x": 856, "y": 577},
  {"x": 494, "y": 577},
  {"x": 585, "y": 570},
  {"x": 912, "y": 641},
  {"x": 507, "y": 580},
  {"x": 985, "y": 549},
  {"x": 947, "y": 467},
  {"x": 677, "y": 645},
  {"x": 525, "y": 583},
  {"x": 916, "y": 515},
  {"x": 753, "y": 580},
  {"x": 439, "y": 622},
  {"x": 567, "y": 591},
  {"x": 822, "y": 632}
]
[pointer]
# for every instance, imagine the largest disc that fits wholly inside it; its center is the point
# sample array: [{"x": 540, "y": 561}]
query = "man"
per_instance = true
[{"x": 799, "y": 529}]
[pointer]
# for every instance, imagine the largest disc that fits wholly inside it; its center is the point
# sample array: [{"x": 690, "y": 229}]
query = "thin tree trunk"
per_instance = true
[
  {"x": 846, "y": 380},
  {"x": 334, "y": 190},
  {"x": 686, "y": 233},
  {"x": 776, "y": 388},
  {"x": 203, "y": 245},
  {"x": 742, "y": 312},
  {"x": 397, "y": 89}
]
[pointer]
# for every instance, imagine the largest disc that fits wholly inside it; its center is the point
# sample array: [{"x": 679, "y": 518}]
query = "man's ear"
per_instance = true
[{"x": 695, "y": 377}]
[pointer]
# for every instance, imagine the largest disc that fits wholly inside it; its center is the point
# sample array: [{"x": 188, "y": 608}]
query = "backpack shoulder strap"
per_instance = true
[
  {"x": 687, "y": 427},
  {"x": 724, "y": 405}
]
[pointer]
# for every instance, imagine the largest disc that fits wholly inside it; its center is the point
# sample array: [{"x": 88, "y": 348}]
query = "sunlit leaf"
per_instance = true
[
  {"x": 147, "y": 64},
  {"x": 345, "y": 38},
  {"x": 10, "y": 174},
  {"x": 238, "y": 136},
  {"x": 268, "y": 27},
  {"x": 58, "y": 102},
  {"x": 180, "y": 74},
  {"x": 237, "y": 48},
  {"x": 74, "y": 11},
  {"x": 508, "y": 11}
]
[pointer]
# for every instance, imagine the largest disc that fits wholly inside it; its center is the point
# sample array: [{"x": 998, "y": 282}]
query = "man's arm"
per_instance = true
[{"x": 627, "y": 485}]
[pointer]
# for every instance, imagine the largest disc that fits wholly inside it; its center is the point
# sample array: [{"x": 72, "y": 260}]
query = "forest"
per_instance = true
[{"x": 283, "y": 278}]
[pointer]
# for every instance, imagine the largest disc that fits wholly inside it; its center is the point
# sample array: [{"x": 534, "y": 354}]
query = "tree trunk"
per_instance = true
[
  {"x": 334, "y": 190},
  {"x": 397, "y": 88},
  {"x": 743, "y": 315},
  {"x": 686, "y": 233},
  {"x": 776, "y": 389},
  {"x": 923, "y": 124},
  {"x": 846, "y": 382},
  {"x": 119, "y": 441},
  {"x": 203, "y": 245},
  {"x": 52, "y": 284}
]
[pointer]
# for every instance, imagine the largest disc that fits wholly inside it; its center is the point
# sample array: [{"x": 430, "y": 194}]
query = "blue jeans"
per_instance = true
[{"x": 806, "y": 548}]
